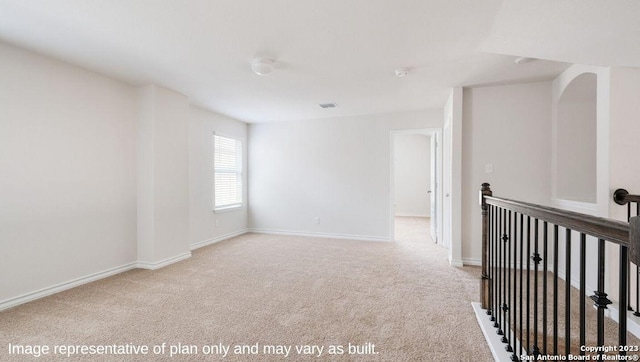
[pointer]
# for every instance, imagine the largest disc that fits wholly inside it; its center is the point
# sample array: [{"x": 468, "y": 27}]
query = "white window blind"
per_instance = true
[{"x": 227, "y": 170}]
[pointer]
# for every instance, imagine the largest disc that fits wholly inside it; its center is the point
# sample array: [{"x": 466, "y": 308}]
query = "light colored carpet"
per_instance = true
[{"x": 278, "y": 290}]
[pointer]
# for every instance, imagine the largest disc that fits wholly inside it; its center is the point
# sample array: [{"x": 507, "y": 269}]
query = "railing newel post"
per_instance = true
[{"x": 485, "y": 281}]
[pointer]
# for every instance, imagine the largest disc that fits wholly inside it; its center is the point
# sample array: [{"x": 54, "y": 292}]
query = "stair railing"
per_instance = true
[{"x": 520, "y": 253}]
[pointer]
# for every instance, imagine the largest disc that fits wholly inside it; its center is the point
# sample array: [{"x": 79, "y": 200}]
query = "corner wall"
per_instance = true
[
  {"x": 163, "y": 177},
  {"x": 98, "y": 177},
  {"x": 506, "y": 138}
]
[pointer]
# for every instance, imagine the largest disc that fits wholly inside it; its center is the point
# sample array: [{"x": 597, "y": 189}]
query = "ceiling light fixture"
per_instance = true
[
  {"x": 402, "y": 72},
  {"x": 524, "y": 60},
  {"x": 262, "y": 66}
]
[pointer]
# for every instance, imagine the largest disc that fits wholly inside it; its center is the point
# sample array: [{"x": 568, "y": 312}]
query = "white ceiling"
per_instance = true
[{"x": 342, "y": 51}]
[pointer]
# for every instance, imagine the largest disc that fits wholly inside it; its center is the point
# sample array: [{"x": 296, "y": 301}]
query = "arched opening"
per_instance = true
[{"x": 576, "y": 166}]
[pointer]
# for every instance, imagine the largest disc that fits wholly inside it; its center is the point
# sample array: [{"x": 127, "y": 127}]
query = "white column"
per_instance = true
[{"x": 163, "y": 177}]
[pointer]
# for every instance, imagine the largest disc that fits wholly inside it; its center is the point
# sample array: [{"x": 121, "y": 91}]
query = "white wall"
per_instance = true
[
  {"x": 576, "y": 157},
  {"x": 579, "y": 156},
  {"x": 623, "y": 148},
  {"x": 618, "y": 103},
  {"x": 452, "y": 176},
  {"x": 337, "y": 169},
  {"x": 163, "y": 177},
  {"x": 412, "y": 173},
  {"x": 205, "y": 226},
  {"x": 67, "y": 173},
  {"x": 508, "y": 127},
  {"x": 624, "y": 131},
  {"x": 602, "y": 195},
  {"x": 98, "y": 177}
]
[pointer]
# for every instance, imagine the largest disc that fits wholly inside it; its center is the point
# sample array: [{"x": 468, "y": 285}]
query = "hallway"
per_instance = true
[{"x": 413, "y": 230}]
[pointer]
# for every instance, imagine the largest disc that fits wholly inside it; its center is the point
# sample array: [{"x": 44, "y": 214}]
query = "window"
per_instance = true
[{"x": 227, "y": 171}]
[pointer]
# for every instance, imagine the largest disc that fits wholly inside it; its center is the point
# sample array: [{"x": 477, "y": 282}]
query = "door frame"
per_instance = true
[{"x": 432, "y": 132}]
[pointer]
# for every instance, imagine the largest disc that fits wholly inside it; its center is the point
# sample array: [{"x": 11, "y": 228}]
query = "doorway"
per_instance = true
[{"x": 415, "y": 179}]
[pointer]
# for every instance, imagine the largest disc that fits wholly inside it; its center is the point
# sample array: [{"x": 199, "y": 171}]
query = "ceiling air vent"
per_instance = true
[{"x": 328, "y": 105}]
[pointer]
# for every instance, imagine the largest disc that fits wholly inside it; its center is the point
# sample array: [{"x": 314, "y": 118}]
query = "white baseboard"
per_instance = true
[
  {"x": 456, "y": 263},
  {"x": 472, "y": 262},
  {"x": 162, "y": 263},
  {"x": 497, "y": 347},
  {"x": 41, "y": 293},
  {"x": 319, "y": 235},
  {"x": 28, "y": 297},
  {"x": 412, "y": 215},
  {"x": 633, "y": 324},
  {"x": 493, "y": 340},
  {"x": 217, "y": 239}
]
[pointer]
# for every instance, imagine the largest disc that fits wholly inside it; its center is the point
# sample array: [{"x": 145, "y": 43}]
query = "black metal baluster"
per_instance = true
[
  {"x": 500, "y": 273},
  {"x": 637, "y": 312},
  {"x": 600, "y": 298},
  {"x": 555, "y": 289},
  {"x": 513, "y": 306},
  {"x": 583, "y": 287},
  {"x": 507, "y": 305},
  {"x": 514, "y": 272},
  {"x": 629, "y": 274},
  {"x": 505, "y": 267},
  {"x": 624, "y": 292},
  {"x": 490, "y": 261},
  {"x": 567, "y": 290},
  {"x": 535, "y": 351},
  {"x": 494, "y": 316},
  {"x": 496, "y": 272},
  {"x": 521, "y": 279},
  {"x": 545, "y": 269},
  {"x": 529, "y": 284}
]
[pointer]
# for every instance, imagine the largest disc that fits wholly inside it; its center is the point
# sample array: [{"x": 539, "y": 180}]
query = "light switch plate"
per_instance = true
[{"x": 488, "y": 168}]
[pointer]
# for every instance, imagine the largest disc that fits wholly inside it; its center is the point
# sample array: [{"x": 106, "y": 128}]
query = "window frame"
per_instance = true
[{"x": 238, "y": 170}]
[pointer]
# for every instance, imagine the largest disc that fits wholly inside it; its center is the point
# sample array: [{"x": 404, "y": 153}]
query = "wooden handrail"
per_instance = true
[
  {"x": 614, "y": 231},
  {"x": 602, "y": 228}
]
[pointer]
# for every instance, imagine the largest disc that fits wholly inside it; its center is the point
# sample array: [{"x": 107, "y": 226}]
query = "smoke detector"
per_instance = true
[
  {"x": 328, "y": 105},
  {"x": 524, "y": 60},
  {"x": 402, "y": 72},
  {"x": 262, "y": 66}
]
